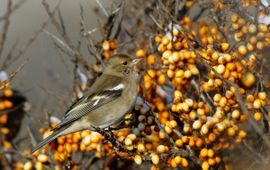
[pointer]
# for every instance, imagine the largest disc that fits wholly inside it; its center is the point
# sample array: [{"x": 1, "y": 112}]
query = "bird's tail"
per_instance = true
[{"x": 47, "y": 140}]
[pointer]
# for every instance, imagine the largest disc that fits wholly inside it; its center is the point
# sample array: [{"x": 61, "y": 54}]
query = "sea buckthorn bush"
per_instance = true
[{"x": 203, "y": 95}]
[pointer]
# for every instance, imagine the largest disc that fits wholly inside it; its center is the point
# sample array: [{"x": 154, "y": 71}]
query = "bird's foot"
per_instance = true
[{"x": 109, "y": 136}]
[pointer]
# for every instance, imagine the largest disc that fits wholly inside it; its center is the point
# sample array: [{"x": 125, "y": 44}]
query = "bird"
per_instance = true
[{"x": 106, "y": 102}]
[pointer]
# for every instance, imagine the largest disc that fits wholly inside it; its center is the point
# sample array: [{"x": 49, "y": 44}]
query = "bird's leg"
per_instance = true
[{"x": 109, "y": 136}]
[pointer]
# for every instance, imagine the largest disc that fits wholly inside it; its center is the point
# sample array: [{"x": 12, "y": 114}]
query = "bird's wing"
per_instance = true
[{"x": 103, "y": 93}]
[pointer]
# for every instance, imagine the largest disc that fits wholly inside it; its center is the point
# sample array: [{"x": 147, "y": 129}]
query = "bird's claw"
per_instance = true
[{"x": 109, "y": 136}]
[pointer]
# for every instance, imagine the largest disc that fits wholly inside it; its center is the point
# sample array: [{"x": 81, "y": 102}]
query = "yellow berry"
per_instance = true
[
  {"x": 203, "y": 153},
  {"x": 197, "y": 124},
  {"x": 204, "y": 129},
  {"x": 43, "y": 158},
  {"x": 138, "y": 159},
  {"x": 210, "y": 153},
  {"x": 257, "y": 104},
  {"x": 155, "y": 159},
  {"x": 225, "y": 46},
  {"x": 205, "y": 165},
  {"x": 252, "y": 28},
  {"x": 161, "y": 148},
  {"x": 262, "y": 95},
  {"x": 231, "y": 131},
  {"x": 235, "y": 114},
  {"x": 28, "y": 165},
  {"x": 242, "y": 50},
  {"x": 184, "y": 162},
  {"x": 220, "y": 69},
  {"x": 179, "y": 143},
  {"x": 248, "y": 79}
]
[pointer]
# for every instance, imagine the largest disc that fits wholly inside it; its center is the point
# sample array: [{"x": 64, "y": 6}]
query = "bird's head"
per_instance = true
[{"x": 122, "y": 65}]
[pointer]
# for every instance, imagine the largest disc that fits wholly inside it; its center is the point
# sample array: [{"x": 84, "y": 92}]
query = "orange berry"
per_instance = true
[
  {"x": 178, "y": 159},
  {"x": 179, "y": 143},
  {"x": 161, "y": 149},
  {"x": 191, "y": 142},
  {"x": 203, "y": 152},
  {"x": 7, "y": 145},
  {"x": 210, "y": 153},
  {"x": 60, "y": 148},
  {"x": 173, "y": 163},
  {"x": 8, "y": 92},
  {"x": 68, "y": 148},
  {"x": 250, "y": 98},
  {"x": 199, "y": 143},
  {"x": 250, "y": 47},
  {"x": 211, "y": 162},
  {"x": 2, "y": 105},
  {"x": 217, "y": 159},
  {"x": 8, "y": 104},
  {"x": 225, "y": 46},
  {"x": 263, "y": 28},
  {"x": 235, "y": 114},
  {"x": 231, "y": 131},
  {"x": 248, "y": 79},
  {"x": 3, "y": 118},
  {"x": 185, "y": 139},
  {"x": 61, "y": 140},
  {"x": 161, "y": 79},
  {"x": 172, "y": 124},
  {"x": 113, "y": 43},
  {"x": 242, "y": 134},
  {"x": 187, "y": 74},
  {"x": 205, "y": 165},
  {"x": 74, "y": 147},
  {"x": 158, "y": 39},
  {"x": 5, "y": 130},
  {"x": 179, "y": 73},
  {"x": 212, "y": 137},
  {"x": 257, "y": 116},
  {"x": 184, "y": 162},
  {"x": 170, "y": 73},
  {"x": 140, "y": 53},
  {"x": 151, "y": 59},
  {"x": 242, "y": 50}
]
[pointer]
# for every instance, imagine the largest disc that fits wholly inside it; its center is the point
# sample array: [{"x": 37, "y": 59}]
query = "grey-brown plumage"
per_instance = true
[{"x": 106, "y": 102}]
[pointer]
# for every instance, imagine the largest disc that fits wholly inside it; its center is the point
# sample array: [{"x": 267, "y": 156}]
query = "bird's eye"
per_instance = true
[{"x": 125, "y": 63}]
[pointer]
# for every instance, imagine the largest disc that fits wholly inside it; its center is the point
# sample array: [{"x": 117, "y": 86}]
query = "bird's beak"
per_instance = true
[{"x": 136, "y": 61}]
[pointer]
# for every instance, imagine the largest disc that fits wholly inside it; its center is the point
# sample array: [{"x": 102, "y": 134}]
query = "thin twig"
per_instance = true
[
  {"x": 5, "y": 27},
  {"x": 102, "y": 8}
]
